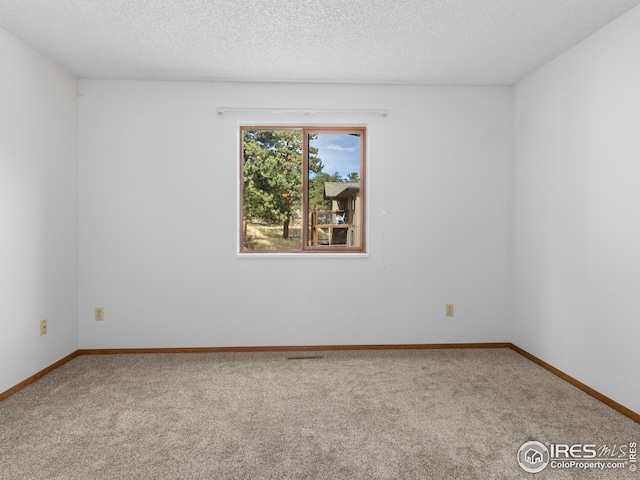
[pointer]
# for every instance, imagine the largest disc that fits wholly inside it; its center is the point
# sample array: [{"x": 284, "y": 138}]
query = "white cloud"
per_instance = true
[{"x": 340, "y": 148}]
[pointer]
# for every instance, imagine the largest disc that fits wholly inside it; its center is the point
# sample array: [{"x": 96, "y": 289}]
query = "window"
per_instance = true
[{"x": 302, "y": 189}]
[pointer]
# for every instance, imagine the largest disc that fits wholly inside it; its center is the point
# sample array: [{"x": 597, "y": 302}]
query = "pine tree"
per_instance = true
[{"x": 272, "y": 175}]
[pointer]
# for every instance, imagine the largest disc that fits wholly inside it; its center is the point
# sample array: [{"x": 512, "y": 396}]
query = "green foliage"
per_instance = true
[
  {"x": 272, "y": 173},
  {"x": 316, "y": 190},
  {"x": 353, "y": 177}
]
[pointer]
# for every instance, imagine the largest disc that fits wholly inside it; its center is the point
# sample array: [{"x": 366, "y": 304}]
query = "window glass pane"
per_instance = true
[
  {"x": 302, "y": 189},
  {"x": 334, "y": 201},
  {"x": 271, "y": 193}
]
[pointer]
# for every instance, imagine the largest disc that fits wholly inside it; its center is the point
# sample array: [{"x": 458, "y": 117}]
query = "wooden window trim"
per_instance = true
[{"x": 305, "y": 248}]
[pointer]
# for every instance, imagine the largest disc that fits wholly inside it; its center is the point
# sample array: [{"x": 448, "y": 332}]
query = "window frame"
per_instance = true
[{"x": 305, "y": 248}]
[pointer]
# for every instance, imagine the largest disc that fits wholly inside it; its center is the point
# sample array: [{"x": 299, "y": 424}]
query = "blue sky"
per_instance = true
[{"x": 339, "y": 152}]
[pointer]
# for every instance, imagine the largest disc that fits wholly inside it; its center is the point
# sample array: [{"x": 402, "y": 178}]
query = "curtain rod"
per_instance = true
[{"x": 302, "y": 111}]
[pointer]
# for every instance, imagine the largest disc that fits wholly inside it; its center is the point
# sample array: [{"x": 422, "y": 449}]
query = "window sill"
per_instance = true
[{"x": 302, "y": 255}]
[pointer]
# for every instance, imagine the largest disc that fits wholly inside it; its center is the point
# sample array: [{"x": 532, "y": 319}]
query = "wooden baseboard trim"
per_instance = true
[
  {"x": 283, "y": 348},
  {"x": 578, "y": 384},
  {"x": 37, "y": 376},
  {"x": 312, "y": 348},
  {"x": 288, "y": 348}
]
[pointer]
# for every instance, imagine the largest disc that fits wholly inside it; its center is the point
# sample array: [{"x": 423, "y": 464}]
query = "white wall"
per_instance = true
[
  {"x": 158, "y": 216},
  {"x": 38, "y": 211},
  {"x": 577, "y": 222},
  {"x": 158, "y": 220}
]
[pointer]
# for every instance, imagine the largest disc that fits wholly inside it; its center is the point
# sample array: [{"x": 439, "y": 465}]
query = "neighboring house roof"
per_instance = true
[{"x": 337, "y": 189}]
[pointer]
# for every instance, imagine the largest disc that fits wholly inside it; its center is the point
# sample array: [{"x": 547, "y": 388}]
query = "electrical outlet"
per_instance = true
[
  {"x": 43, "y": 327},
  {"x": 99, "y": 314},
  {"x": 449, "y": 310}
]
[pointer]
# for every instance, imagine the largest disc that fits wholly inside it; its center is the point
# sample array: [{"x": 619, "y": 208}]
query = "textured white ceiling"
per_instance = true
[{"x": 450, "y": 42}]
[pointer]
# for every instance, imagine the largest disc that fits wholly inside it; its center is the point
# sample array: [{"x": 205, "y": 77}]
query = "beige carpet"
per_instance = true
[{"x": 419, "y": 414}]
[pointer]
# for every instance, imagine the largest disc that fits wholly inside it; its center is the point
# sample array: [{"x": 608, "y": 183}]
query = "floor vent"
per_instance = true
[{"x": 305, "y": 357}]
